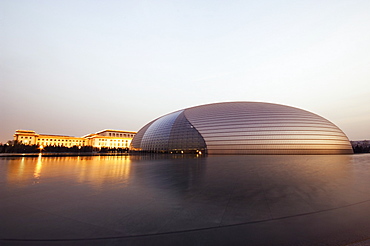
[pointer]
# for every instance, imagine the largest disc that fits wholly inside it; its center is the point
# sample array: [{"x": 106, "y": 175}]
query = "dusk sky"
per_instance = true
[{"x": 78, "y": 67}]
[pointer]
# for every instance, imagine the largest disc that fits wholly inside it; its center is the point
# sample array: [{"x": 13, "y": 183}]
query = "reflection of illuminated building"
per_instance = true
[
  {"x": 242, "y": 128},
  {"x": 105, "y": 138},
  {"x": 99, "y": 170},
  {"x": 95, "y": 171}
]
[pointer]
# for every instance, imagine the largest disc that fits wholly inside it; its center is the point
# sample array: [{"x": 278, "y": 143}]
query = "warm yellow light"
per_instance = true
[
  {"x": 41, "y": 147},
  {"x": 37, "y": 172}
]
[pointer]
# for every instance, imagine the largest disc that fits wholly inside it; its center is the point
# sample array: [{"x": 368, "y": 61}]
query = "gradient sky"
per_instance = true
[{"x": 77, "y": 67}]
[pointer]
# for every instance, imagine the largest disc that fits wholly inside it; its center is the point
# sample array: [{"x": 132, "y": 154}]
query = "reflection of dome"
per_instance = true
[{"x": 242, "y": 128}]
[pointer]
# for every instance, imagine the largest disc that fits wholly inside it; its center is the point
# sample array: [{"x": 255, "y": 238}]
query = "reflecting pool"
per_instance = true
[{"x": 119, "y": 196}]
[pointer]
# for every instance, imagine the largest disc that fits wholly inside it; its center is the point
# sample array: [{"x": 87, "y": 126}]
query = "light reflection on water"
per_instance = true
[
  {"x": 328, "y": 177},
  {"x": 156, "y": 193},
  {"x": 94, "y": 171},
  {"x": 38, "y": 167},
  {"x": 181, "y": 173}
]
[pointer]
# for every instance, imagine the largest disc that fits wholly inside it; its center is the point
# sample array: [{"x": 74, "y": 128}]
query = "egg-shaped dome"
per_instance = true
[{"x": 242, "y": 128}]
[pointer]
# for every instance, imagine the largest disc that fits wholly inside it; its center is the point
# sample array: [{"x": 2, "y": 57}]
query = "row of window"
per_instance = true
[
  {"x": 59, "y": 144},
  {"x": 118, "y": 144},
  {"x": 66, "y": 140},
  {"x": 118, "y": 140},
  {"x": 121, "y": 135}
]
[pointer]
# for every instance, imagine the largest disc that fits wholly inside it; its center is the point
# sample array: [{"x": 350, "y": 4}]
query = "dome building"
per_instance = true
[{"x": 241, "y": 128}]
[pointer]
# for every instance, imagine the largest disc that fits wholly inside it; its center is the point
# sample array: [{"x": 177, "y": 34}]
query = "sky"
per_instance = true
[{"x": 75, "y": 67}]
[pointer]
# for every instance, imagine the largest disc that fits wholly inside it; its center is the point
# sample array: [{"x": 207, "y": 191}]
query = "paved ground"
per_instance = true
[{"x": 217, "y": 200}]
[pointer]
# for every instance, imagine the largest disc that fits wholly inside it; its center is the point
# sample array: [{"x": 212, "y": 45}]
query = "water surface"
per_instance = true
[{"x": 108, "y": 196}]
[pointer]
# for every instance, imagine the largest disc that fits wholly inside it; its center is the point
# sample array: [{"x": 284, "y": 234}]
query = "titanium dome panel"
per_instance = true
[
  {"x": 136, "y": 141},
  {"x": 158, "y": 133},
  {"x": 184, "y": 137},
  {"x": 242, "y": 128},
  {"x": 169, "y": 133},
  {"x": 265, "y": 128}
]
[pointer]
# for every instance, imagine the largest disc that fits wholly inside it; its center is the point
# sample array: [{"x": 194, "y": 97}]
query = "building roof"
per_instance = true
[{"x": 111, "y": 130}]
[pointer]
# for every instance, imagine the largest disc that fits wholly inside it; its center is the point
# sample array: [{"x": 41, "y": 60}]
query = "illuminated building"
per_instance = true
[
  {"x": 102, "y": 139},
  {"x": 31, "y": 137},
  {"x": 110, "y": 139},
  {"x": 242, "y": 128}
]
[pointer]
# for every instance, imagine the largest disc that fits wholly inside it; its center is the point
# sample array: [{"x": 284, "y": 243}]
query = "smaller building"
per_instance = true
[
  {"x": 361, "y": 143},
  {"x": 102, "y": 139},
  {"x": 362, "y": 146},
  {"x": 110, "y": 139},
  {"x": 26, "y": 137},
  {"x": 32, "y": 138}
]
